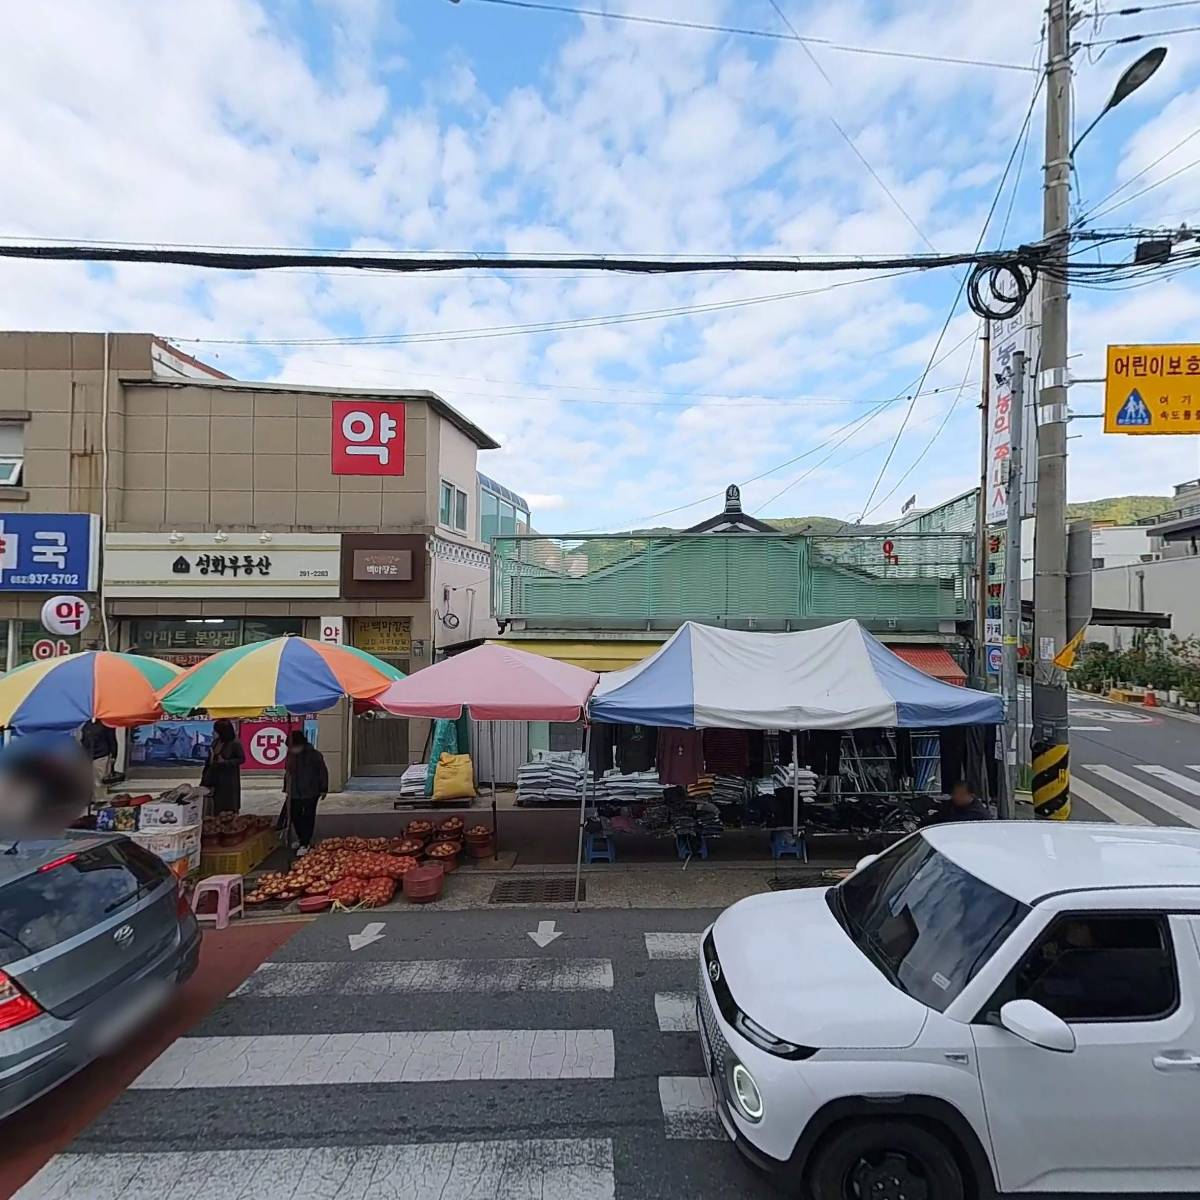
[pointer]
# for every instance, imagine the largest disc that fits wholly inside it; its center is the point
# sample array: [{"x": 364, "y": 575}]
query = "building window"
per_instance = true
[
  {"x": 489, "y": 515},
  {"x": 12, "y": 453},
  {"x": 452, "y": 507},
  {"x": 1097, "y": 564}
]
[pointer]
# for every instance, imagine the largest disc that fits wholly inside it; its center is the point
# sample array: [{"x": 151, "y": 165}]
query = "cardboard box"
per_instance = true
[
  {"x": 171, "y": 844},
  {"x": 117, "y": 818},
  {"x": 170, "y": 816}
]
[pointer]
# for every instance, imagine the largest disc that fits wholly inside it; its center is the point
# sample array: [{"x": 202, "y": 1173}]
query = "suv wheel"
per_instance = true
[{"x": 885, "y": 1160}]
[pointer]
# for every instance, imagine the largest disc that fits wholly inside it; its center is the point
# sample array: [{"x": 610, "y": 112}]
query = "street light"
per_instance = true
[{"x": 1133, "y": 78}]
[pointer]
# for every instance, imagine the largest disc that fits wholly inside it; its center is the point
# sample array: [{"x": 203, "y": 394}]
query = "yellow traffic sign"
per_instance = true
[{"x": 1152, "y": 389}]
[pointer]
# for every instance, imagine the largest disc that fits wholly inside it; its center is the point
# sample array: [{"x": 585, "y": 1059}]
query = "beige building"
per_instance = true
[{"x": 225, "y": 516}]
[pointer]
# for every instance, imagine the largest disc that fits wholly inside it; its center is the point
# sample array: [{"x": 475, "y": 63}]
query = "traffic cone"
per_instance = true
[{"x": 1149, "y": 700}]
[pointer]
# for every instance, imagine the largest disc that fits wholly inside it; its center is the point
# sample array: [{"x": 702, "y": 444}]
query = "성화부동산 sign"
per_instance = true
[
  {"x": 222, "y": 565},
  {"x": 1152, "y": 389}
]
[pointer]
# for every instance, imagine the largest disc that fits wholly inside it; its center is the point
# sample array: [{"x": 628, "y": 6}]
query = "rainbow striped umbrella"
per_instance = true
[
  {"x": 63, "y": 693},
  {"x": 292, "y": 673}
]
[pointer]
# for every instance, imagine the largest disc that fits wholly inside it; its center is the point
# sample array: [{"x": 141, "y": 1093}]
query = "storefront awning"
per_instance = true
[
  {"x": 933, "y": 660},
  {"x": 603, "y": 655}
]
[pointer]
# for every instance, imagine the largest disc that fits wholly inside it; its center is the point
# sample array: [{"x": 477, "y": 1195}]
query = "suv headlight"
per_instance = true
[
  {"x": 746, "y": 1092},
  {"x": 754, "y": 1033}
]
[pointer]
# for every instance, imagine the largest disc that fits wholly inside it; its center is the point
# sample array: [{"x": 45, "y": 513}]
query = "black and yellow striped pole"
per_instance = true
[{"x": 1051, "y": 781}]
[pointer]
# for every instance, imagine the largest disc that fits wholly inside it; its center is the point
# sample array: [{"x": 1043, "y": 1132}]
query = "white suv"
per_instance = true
[{"x": 987, "y": 1007}]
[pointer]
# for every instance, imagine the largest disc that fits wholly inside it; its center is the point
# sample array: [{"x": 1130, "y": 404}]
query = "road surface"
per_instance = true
[
  {"x": 450, "y": 1057},
  {"x": 1133, "y": 765}
]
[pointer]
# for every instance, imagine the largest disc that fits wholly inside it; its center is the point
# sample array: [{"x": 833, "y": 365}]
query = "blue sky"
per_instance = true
[{"x": 429, "y": 125}]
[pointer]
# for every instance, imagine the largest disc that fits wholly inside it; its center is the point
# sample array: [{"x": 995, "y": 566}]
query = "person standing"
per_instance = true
[
  {"x": 305, "y": 782},
  {"x": 223, "y": 771},
  {"x": 964, "y": 805},
  {"x": 99, "y": 741}
]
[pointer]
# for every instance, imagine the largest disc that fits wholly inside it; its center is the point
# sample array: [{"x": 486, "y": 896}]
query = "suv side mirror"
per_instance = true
[
  {"x": 865, "y": 862},
  {"x": 1038, "y": 1026}
]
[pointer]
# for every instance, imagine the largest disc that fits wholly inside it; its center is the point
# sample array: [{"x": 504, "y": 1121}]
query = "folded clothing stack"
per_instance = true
[
  {"x": 549, "y": 781},
  {"x": 412, "y": 782},
  {"x": 641, "y": 787},
  {"x": 708, "y": 819},
  {"x": 786, "y": 777}
]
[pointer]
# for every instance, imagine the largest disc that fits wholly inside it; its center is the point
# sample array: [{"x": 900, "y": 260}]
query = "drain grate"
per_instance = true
[
  {"x": 536, "y": 891},
  {"x": 785, "y": 883}
]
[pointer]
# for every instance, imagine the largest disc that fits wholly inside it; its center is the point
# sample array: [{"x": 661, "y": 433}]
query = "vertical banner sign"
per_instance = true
[
  {"x": 1022, "y": 332},
  {"x": 367, "y": 437},
  {"x": 333, "y": 630}
]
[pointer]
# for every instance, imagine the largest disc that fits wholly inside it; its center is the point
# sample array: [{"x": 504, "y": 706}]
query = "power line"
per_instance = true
[
  {"x": 878, "y": 408},
  {"x": 489, "y": 331},
  {"x": 1141, "y": 37},
  {"x": 1148, "y": 188},
  {"x": 1134, "y": 178},
  {"x": 1145, "y": 8},
  {"x": 772, "y": 35},
  {"x": 957, "y": 297},
  {"x": 408, "y": 263},
  {"x": 862, "y": 158}
]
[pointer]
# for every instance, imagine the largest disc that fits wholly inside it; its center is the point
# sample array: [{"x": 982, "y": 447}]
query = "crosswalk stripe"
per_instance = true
[
  {"x": 676, "y": 1011},
  {"x": 673, "y": 945},
  {"x": 689, "y": 1108},
  {"x": 581, "y": 1168},
  {"x": 1169, "y": 776},
  {"x": 490, "y": 975},
  {"x": 1193, "y": 766},
  {"x": 434, "y": 1056},
  {"x": 1102, "y": 802},
  {"x": 1186, "y": 813}
]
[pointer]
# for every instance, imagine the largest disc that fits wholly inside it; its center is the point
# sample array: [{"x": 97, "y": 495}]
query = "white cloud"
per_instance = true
[{"x": 232, "y": 122}]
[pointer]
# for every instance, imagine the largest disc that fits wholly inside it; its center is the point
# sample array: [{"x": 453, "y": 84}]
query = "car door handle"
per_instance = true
[{"x": 1177, "y": 1060}]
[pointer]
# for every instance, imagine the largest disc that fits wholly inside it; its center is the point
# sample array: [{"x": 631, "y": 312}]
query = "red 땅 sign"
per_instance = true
[{"x": 368, "y": 437}]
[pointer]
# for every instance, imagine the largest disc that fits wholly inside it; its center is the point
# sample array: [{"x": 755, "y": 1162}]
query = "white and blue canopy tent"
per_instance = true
[{"x": 836, "y": 677}]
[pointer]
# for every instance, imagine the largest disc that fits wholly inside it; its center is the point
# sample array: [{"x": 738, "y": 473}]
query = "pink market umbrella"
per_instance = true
[{"x": 493, "y": 683}]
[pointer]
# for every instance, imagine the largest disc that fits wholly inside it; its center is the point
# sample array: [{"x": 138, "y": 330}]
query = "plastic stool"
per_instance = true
[
  {"x": 598, "y": 847},
  {"x": 785, "y": 844},
  {"x": 227, "y": 891},
  {"x": 683, "y": 847}
]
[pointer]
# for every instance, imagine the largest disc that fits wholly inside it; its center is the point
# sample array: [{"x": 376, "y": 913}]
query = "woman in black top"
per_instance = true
[{"x": 223, "y": 771}]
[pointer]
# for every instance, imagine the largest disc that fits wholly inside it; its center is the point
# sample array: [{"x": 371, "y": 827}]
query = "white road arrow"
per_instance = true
[
  {"x": 372, "y": 932},
  {"x": 545, "y": 933}
]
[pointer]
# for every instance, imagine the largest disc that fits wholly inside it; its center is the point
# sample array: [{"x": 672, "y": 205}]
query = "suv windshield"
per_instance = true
[{"x": 927, "y": 924}]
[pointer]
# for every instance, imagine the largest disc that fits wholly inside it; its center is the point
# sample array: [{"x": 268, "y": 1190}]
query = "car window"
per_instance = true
[
  {"x": 47, "y": 907},
  {"x": 927, "y": 923},
  {"x": 1098, "y": 968}
]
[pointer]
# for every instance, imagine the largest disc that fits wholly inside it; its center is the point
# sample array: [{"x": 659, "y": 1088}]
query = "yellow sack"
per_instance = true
[{"x": 453, "y": 778}]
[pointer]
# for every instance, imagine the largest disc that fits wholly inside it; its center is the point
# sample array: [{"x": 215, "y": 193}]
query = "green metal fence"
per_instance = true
[{"x": 738, "y": 578}]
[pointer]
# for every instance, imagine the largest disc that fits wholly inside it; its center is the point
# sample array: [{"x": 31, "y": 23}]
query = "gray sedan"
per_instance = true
[{"x": 95, "y": 933}]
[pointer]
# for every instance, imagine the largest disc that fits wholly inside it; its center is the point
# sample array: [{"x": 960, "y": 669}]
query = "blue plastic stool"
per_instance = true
[
  {"x": 785, "y": 844},
  {"x": 683, "y": 847},
  {"x": 598, "y": 847}
]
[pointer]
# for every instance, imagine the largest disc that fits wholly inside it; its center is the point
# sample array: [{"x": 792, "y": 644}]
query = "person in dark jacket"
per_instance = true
[
  {"x": 223, "y": 771},
  {"x": 99, "y": 742},
  {"x": 964, "y": 805},
  {"x": 305, "y": 782}
]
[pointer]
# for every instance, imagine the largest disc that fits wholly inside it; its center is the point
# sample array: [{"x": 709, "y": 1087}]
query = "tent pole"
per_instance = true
[
  {"x": 795, "y": 783},
  {"x": 587, "y": 770},
  {"x": 492, "y": 761}
]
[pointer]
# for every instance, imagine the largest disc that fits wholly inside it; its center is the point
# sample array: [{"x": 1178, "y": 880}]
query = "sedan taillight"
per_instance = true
[{"x": 15, "y": 1007}]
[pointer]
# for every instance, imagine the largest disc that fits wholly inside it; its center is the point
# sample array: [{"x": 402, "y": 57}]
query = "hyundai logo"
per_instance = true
[
  {"x": 124, "y": 937},
  {"x": 714, "y": 971}
]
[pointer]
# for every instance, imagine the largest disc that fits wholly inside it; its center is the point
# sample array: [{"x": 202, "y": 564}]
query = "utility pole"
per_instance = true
[
  {"x": 1011, "y": 629},
  {"x": 1049, "y": 743}
]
